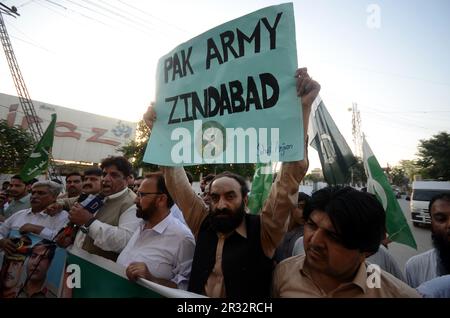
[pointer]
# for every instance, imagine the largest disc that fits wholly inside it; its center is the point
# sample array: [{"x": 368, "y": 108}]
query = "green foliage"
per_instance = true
[
  {"x": 358, "y": 172},
  {"x": 16, "y": 145},
  {"x": 314, "y": 178},
  {"x": 434, "y": 157},
  {"x": 398, "y": 176},
  {"x": 410, "y": 168}
]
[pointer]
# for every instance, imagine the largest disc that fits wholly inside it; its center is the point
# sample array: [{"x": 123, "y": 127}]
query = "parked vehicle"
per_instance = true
[{"x": 422, "y": 192}]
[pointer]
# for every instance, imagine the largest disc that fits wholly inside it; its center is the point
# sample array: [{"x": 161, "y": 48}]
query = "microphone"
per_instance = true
[{"x": 90, "y": 202}]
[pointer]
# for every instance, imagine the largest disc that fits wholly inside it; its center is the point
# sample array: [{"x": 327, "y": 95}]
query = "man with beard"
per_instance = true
[
  {"x": 107, "y": 232},
  {"x": 343, "y": 227},
  {"x": 18, "y": 191},
  {"x": 234, "y": 250},
  {"x": 73, "y": 185},
  {"x": 162, "y": 247},
  {"x": 35, "y": 220},
  {"x": 435, "y": 262}
]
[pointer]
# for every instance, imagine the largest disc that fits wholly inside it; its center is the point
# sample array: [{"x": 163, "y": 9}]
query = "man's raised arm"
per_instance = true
[
  {"x": 284, "y": 192},
  {"x": 193, "y": 208}
]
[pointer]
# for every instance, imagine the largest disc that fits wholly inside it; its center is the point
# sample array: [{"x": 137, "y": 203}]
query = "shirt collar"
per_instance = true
[
  {"x": 25, "y": 199},
  {"x": 30, "y": 211},
  {"x": 361, "y": 277},
  {"x": 161, "y": 226},
  {"x": 242, "y": 229},
  {"x": 359, "y": 280},
  {"x": 117, "y": 194}
]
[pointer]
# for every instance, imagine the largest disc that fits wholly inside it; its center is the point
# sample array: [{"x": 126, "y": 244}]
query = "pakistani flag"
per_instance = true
[
  {"x": 38, "y": 160},
  {"x": 377, "y": 184},
  {"x": 335, "y": 155},
  {"x": 262, "y": 182},
  {"x": 92, "y": 276}
]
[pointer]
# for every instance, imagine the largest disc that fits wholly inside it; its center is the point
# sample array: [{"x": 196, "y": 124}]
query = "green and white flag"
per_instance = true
[
  {"x": 38, "y": 160},
  {"x": 377, "y": 184},
  {"x": 335, "y": 155},
  {"x": 92, "y": 276},
  {"x": 262, "y": 182}
]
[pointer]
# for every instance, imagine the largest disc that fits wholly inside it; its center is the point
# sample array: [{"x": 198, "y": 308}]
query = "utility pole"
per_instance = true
[
  {"x": 22, "y": 92},
  {"x": 356, "y": 130}
]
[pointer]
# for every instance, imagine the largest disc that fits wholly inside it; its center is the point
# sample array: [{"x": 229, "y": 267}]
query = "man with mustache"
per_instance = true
[
  {"x": 92, "y": 181},
  {"x": 73, "y": 185},
  {"x": 18, "y": 191},
  {"x": 11, "y": 271},
  {"x": 107, "y": 232},
  {"x": 39, "y": 262},
  {"x": 343, "y": 227},
  {"x": 435, "y": 262},
  {"x": 234, "y": 250},
  {"x": 35, "y": 220},
  {"x": 91, "y": 184},
  {"x": 162, "y": 247}
]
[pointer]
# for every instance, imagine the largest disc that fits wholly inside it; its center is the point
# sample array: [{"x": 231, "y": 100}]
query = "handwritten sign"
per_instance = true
[{"x": 229, "y": 96}]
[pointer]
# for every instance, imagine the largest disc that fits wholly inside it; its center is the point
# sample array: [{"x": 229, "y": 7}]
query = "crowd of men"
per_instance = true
[{"x": 161, "y": 230}]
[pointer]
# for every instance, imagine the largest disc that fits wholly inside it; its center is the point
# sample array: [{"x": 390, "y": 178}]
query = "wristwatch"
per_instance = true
[{"x": 85, "y": 227}]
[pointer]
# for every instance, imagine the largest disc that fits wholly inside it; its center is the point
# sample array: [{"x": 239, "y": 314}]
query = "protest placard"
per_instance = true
[{"x": 229, "y": 95}]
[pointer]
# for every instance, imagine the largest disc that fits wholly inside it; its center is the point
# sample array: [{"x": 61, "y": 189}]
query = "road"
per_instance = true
[{"x": 422, "y": 235}]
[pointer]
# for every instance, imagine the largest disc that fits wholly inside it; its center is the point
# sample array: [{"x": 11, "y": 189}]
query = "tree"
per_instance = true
[
  {"x": 16, "y": 145},
  {"x": 314, "y": 178},
  {"x": 398, "y": 176},
  {"x": 410, "y": 167},
  {"x": 358, "y": 172},
  {"x": 135, "y": 150},
  {"x": 434, "y": 157}
]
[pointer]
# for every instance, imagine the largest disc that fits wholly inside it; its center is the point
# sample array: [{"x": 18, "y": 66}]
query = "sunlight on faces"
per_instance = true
[
  {"x": 440, "y": 216},
  {"x": 17, "y": 188},
  {"x": 113, "y": 180},
  {"x": 227, "y": 205},
  {"x": 137, "y": 184},
  {"x": 41, "y": 197},
  {"x": 324, "y": 252},
  {"x": 147, "y": 199},
  {"x": 440, "y": 230},
  {"x": 73, "y": 185},
  {"x": 206, "y": 195}
]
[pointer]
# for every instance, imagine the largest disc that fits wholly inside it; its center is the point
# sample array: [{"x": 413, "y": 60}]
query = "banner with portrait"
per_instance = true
[{"x": 35, "y": 270}]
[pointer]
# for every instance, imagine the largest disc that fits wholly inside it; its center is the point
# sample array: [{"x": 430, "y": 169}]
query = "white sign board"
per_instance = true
[{"x": 79, "y": 136}]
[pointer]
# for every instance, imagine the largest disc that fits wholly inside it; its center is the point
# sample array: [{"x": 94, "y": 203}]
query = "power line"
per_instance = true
[
  {"x": 131, "y": 14},
  {"x": 369, "y": 70},
  {"x": 152, "y": 16},
  {"x": 49, "y": 8},
  {"x": 79, "y": 13},
  {"x": 114, "y": 13},
  {"x": 30, "y": 41},
  {"x": 109, "y": 17},
  {"x": 24, "y": 4},
  {"x": 32, "y": 44}
]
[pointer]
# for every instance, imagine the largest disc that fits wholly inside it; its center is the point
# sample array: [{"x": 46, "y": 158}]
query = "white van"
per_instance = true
[{"x": 422, "y": 192}]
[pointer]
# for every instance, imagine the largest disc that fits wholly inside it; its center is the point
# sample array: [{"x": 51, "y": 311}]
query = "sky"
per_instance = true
[{"x": 100, "y": 56}]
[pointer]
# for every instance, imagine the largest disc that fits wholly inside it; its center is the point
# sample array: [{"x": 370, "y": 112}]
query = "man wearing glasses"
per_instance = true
[{"x": 162, "y": 248}]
